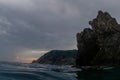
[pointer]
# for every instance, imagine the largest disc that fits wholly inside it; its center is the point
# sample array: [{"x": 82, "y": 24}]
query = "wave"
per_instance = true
[{"x": 22, "y": 71}]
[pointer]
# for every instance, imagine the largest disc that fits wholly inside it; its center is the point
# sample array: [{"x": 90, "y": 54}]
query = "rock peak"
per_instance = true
[
  {"x": 99, "y": 45},
  {"x": 104, "y": 22}
]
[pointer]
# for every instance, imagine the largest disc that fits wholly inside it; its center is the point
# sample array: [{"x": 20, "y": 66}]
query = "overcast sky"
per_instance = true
[{"x": 29, "y": 28}]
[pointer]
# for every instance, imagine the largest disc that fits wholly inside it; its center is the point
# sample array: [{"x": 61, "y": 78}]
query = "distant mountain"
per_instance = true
[{"x": 58, "y": 57}]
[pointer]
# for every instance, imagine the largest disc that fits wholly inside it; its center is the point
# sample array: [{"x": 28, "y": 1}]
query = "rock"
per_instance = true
[
  {"x": 58, "y": 57},
  {"x": 99, "y": 45},
  {"x": 104, "y": 23},
  {"x": 87, "y": 48}
]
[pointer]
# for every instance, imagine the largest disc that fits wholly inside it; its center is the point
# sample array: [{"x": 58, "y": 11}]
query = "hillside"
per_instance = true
[{"x": 58, "y": 57}]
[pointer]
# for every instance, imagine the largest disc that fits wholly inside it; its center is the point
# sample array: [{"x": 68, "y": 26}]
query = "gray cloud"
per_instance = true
[{"x": 46, "y": 24}]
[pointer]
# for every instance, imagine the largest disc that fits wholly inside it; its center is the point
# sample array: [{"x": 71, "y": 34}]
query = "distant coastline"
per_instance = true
[{"x": 58, "y": 57}]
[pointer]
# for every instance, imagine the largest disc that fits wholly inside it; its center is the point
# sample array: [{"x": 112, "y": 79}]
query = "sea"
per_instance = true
[{"x": 27, "y": 71}]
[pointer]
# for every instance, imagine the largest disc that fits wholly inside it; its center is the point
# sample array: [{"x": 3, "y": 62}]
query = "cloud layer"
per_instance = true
[{"x": 42, "y": 25}]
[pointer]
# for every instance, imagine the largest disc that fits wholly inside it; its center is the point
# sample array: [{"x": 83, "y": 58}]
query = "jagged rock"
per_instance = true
[
  {"x": 58, "y": 57},
  {"x": 101, "y": 44},
  {"x": 104, "y": 23}
]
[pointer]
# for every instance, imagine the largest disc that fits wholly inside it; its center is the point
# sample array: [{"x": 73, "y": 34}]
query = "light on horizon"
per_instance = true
[{"x": 28, "y": 56}]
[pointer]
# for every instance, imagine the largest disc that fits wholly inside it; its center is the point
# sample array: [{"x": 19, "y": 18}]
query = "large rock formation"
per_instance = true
[
  {"x": 99, "y": 45},
  {"x": 58, "y": 57}
]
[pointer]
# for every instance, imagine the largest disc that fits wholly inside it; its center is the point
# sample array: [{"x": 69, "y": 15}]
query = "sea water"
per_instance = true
[{"x": 24, "y": 71}]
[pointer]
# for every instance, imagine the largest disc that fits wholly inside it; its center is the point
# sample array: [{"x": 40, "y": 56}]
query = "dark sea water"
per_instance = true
[{"x": 22, "y": 71}]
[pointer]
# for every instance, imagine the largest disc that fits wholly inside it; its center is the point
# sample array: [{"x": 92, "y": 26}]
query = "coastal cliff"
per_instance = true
[{"x": 100, "y": 44}]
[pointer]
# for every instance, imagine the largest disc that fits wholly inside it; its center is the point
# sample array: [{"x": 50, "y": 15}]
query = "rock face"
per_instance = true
[
  {"x": 87, "y": 47},
  {"x": 99, "y": 45},
  {"x": 58, "y": 57}
]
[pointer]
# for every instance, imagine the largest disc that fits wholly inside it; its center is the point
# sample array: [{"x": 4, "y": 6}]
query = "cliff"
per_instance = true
[
  {"x": 58, "y": 57},
  {"x": 100, "y": 44}
]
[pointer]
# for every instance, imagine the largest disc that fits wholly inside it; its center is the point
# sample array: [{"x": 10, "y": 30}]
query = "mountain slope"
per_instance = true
[{"x": 58, "y": 57}]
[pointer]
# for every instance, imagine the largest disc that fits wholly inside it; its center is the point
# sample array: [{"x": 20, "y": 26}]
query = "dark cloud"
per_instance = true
[{"x": 41, "y": 25}]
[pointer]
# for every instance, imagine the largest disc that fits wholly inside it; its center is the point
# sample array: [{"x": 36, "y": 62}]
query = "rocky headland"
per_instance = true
[
  {"x": 100, "y": 44},
  {"x": 58, "y": 57}
]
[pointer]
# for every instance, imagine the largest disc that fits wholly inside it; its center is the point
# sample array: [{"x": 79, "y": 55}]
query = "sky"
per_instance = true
[{"x": 30, "y": 28}]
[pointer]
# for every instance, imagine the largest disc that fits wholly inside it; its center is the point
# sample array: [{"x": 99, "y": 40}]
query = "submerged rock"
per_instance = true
[
  {"x": 58, "y": 57},
  {"x": 99, "y": 45}
]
